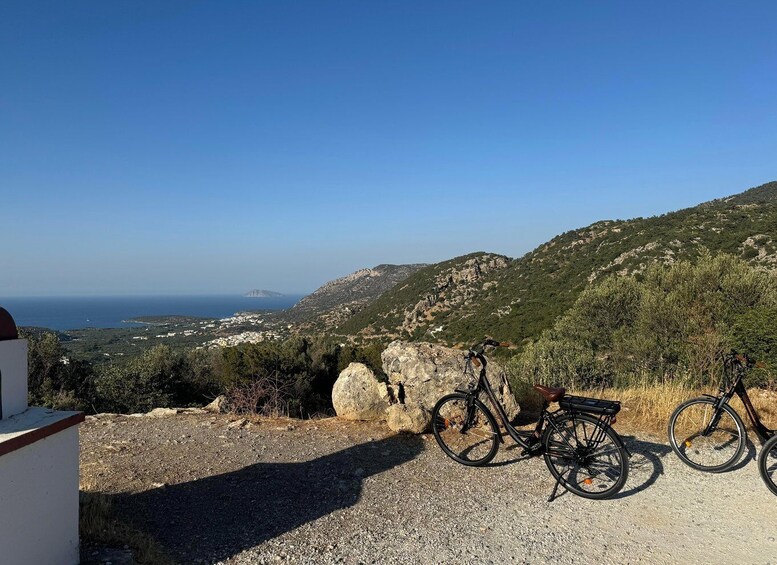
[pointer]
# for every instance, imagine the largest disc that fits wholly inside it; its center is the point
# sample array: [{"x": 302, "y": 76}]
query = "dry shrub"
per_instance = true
[{"x": 265, "y": 396}]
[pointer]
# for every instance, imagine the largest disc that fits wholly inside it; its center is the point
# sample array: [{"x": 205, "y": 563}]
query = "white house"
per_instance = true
[{"x": 38, "y": 467}]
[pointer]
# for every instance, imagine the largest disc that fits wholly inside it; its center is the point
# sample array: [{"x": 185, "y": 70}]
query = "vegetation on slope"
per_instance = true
[
  {"x": 672, "y": 326},
  {"x": 406, "y": 311},
  {"x": 338, "y": 300},
  {"x": 300, "y": 372},
  {"x": 524, "y": 298}
]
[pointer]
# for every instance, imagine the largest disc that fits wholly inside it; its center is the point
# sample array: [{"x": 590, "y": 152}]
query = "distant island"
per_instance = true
[{"x": 262, "y": 294}]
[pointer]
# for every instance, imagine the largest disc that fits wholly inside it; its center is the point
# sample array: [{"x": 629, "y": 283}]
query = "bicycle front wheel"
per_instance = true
[
  {"x": 767, "y": 464},
  {"x": 707, "y": 439},
  {"x": 585, "y": 455},
  {"x": 465, "y": 429}
]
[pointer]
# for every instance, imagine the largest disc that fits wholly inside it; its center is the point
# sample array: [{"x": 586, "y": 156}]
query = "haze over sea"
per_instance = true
[{"x": 70, "y": 312}]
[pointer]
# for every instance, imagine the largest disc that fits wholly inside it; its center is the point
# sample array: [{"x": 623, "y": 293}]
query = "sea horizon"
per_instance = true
[{"x": 63, "y": 313}]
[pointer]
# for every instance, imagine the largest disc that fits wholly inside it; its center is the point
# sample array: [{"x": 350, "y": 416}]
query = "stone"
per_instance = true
[
  {"x": 237, "y": 423},
  {"x": 408, "y": 418},
  {"x": 163, "y": 412},
  {"x": 220, "y": 405},
  {"x": 421, "y": 373},
  {"x": 358, "y": 395}
]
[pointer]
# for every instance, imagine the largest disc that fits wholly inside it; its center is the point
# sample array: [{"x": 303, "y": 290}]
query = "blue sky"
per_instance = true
[{"x": 214, "y": 147}]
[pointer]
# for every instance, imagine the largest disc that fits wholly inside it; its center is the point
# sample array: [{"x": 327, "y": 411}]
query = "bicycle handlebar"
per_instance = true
[
  {"x": 477, "y": 350},
  {"x": 743, "y": 360}
]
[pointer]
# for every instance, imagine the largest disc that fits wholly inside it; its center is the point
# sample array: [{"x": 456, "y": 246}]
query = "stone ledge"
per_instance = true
[{"x": 32, "y": 425}]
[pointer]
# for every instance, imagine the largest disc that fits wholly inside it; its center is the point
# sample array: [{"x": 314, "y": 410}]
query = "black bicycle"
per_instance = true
[
  {"x": 767, "y": 464},
  {"x": 707, "y": 434},
  {"x": 581, "y": 449}
]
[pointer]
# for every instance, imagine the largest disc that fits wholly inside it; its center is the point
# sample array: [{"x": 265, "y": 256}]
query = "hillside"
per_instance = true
[
  {"x": 522, "y": 297},
  {"x": 338, "y": 300},
  {"x": 433, "y": 293}
]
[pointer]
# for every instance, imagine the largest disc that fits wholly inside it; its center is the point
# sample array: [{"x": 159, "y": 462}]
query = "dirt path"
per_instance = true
[{"x": 332, "y": 492}]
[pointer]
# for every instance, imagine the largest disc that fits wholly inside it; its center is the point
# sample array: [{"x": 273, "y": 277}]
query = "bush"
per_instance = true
[
  {"x": 55, "y": 380},
  {"x": 155, "y": 379},
  {"x": 672, "y": 326},
  {"x": 754, "y": 332}
]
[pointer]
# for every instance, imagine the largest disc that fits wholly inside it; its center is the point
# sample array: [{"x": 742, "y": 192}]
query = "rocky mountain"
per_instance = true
[
  {"x": 262, "y": 294},
  {"x": 461, "y": 300},
  {"x": 338, "y": 300},
  {"x": 433, "y": 293}
]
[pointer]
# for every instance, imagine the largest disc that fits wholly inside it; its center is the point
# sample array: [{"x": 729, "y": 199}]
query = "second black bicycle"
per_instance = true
[{"x": 581, "y": 449}]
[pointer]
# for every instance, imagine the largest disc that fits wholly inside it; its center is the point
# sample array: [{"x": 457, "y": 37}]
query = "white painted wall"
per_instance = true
[
  {"x": 39, "y": 501},
  {"x": 13, "y": 376}
]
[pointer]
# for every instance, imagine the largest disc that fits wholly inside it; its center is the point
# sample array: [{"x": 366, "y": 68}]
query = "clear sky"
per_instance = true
[{"x": 218, "y": 146}]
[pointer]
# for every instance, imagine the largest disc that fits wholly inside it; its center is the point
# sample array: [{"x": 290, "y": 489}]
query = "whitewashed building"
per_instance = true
[{"x": 38, "y": 467}]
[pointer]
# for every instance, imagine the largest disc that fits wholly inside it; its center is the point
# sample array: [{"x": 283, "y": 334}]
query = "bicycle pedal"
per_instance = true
[{"x": 533, "y": 449}]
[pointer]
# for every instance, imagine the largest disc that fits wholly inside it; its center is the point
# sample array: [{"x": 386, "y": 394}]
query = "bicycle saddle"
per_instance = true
[{"x": 550, "y": 393}]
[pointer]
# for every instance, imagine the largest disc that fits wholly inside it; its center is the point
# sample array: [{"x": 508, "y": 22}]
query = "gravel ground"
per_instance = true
[{"x": 328, "y": 491}]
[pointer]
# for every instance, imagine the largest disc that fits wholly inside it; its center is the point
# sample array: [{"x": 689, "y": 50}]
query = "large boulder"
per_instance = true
[
  {"x": 426, "y": 372},
  {"x": 358, "y": 395},
  {"x": 408, "y": 418}
]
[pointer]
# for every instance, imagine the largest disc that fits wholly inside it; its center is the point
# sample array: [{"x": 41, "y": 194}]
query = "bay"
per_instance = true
[{"x": 78, "y": 312}]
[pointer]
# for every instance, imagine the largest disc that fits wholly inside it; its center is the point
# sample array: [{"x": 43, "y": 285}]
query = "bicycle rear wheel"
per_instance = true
[
  {"x": 716, "y": 451},
  {"x": 585, "y": 455},
  {"x": 767, "y": 464},
  {"x": 465, "y": 429}
]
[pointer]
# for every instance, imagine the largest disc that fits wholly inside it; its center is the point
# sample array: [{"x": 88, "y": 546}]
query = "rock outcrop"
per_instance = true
[
  {"x": 408, "y": 418},
  {"x": 358, "y": 395},
  {"x": 421, "y": 373},
  {"x": 338, "y": 300}
]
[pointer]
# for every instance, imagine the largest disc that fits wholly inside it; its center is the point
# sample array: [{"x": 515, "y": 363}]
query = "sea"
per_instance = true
[{"x": 73, "y": 313}]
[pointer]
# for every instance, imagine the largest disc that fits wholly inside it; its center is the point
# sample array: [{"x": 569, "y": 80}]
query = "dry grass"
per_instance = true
[
  {"x": 100, "y": 527},
  {"x": 647, "y": 408}
]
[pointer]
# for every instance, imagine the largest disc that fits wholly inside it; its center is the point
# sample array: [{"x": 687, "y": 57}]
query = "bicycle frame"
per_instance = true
[
  {"x": 484, "y": 385},
  {"x": 738, "y": 388}
]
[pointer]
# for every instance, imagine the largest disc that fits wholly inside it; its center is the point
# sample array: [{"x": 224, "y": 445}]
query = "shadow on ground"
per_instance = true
[
  {"x": 645, "y": 464},
  {"x": 216, "y": 517}
]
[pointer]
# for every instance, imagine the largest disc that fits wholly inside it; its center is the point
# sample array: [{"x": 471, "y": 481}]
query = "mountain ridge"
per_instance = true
[
  {"x": 523, "y": 297},
  {"x": 337, "y": 300}
]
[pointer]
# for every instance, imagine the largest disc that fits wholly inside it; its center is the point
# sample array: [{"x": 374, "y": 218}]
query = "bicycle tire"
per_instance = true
[
  {"x": 600, "y": 479},
  {"x": 767, "y": 464},
  {"x": 448, "y": 425},
  {"x": 683, "y": 440}
]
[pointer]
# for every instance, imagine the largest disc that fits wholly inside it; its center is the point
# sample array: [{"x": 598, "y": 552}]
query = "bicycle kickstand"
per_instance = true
[{"x": 552, "y": 496}]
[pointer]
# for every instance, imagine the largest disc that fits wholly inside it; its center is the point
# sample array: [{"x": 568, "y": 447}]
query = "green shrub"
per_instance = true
[
  {"x": 155, "y": 379},
  {"x": 754, "y": 332},
  {"x": 672, "y": 325}
]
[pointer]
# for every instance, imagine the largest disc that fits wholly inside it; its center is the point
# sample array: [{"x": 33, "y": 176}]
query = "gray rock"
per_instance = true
[
  {"x": 427, "y": 372},
  {"x": 163, "y": 412},
  {"x": 408, "y": 418},
  {"x": 237, "y": 423},
  {"x": 358, "y": 395},
  {"x": 220, "y": 405}
]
